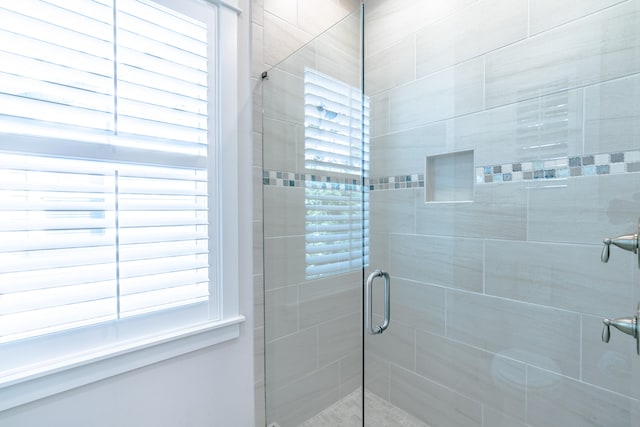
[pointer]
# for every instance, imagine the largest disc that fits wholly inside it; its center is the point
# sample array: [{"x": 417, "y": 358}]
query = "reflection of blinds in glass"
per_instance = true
[
  {"x": 337, "y": 228},
  {"x": 104, "y": 214},
  {"x": 337, "y": 211},
  {"x": 333, "y": 125}
]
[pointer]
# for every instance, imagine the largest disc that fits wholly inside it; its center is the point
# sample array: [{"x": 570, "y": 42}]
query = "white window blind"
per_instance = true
[
  {"x": 336, "y": 145},
  {"x": 105, "y": 133}
]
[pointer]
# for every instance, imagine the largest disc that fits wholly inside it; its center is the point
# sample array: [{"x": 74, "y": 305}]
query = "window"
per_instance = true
[
  {"x": 109, "y": 186},
  {"x": 337, "y": 146}
]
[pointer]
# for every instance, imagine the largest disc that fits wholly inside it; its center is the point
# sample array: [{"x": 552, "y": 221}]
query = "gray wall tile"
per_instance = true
[
  {"x": 482, "y": 376},
  {"x": 282, "y": 140},
  {"x": 495, "y": 418},
  {"x": 299, "y": 401},
  {"x": 258, "y": 300},
  {"x": 329, "y": 298},
  {"x": 378, "y": 253},
  {"x": 391, "y": 67},
  {"x": 445, "y": 261},
  {"x": 612, "y": 116},
  {"x": 396, "y": 345},
  {"x": 340, "y": 338},
  {"x": 520, "y": 331},
  {"x": 291, "y": 358},
  {"x": 431, "y": 402},
  {"x": 388, "y": 21},
  {"x": 284, "y": 9},
  {"x": 257, "y": 11},
  {"x": 470, "y": 32},
  {"x": 281, "y": 37},
  {"x": 281, "y": 312},
  {"x": 404, "y": 152},
  {"x": 614, "y": 365},
  {"x": 376, "y": 374},
  {"x": 379, "y": 114},
  {"x": 392, "y": 211},
  {"x": 285, "y": 95},
  {"x": 497, "y": 212},
  {"x": 564, "y": 276},
  {"x": 597, "y": 48},
  {"x": 257, "y": 45},
  {"x": 582, "y": 404},
  {"x": 546, "y": 14},
  {"x": 284, "y": 211},
  {"x": 258, "y": 246},
  {"x": 546, "y": 127},
  {"x": 258, "y": 358},
  {"x": 311, "y": 20},
  {"x": 587, "y": 210},
  {"x": 418, "y": 305},
  {"x": 351, "y": 372},
  {"x": 338, "y": 64},
  {"x": 339, "y": 50},
  {"x": 446, "y": 94},
  {"x": 284, "y": 261},
  {"x": 260, "y": 405}
]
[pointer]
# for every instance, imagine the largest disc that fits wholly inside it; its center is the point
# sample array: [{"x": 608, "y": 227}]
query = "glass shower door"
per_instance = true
[
  {"x": 314, "y": 245},
  {"x": 505, "y": 147}
]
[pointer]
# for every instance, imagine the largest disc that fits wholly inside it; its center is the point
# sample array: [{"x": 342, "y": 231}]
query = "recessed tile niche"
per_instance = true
[{"x": 449, "y": 177}]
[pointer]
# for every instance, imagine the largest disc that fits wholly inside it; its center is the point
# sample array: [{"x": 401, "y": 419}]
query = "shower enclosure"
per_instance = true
[{"x": 478, "y": 152}]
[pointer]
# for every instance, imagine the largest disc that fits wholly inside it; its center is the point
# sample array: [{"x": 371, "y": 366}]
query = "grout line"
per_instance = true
[
  {"x": 580, "y": 337},
  {"x": 584, "y": 120},
  {"x": 484, "y": 266},
  {"x": 484, "y": 82},
  {"x": 528, "y": 18},
  {"x": 526, "y": 392}
]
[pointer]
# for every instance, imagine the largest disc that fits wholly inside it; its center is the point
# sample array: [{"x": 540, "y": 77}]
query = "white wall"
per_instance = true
[{"x": 210, "y": 387}]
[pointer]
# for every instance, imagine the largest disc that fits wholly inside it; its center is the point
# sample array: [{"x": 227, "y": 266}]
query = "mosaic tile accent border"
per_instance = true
[
  {"x": 563, "y": 168},
  {"x": 292, "y": 179},
  {"x": 395, "y": 182},
  {"x": 537, "y": 170}
]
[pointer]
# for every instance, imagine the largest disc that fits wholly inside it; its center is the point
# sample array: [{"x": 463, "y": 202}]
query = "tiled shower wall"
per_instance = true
[
  {"x": 497, "y": 304},
  {"x": 279, "y": 28}
]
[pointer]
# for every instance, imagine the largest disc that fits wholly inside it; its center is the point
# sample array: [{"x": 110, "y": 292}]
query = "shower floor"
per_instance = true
[{"x": 347, "y": 413}]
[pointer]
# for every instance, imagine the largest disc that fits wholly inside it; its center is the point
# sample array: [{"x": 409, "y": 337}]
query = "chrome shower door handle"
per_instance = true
[{"x": 368, "y": 297}]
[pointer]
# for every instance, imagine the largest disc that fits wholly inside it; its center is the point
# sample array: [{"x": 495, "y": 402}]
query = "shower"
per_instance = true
[{"x": 468, "y": 158}]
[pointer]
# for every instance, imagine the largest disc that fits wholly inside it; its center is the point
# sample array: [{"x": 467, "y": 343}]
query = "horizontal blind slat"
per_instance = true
[
  {"x": 51, "y": 112},
  {"x": 165, "y": 18},
  {"x": 50, "y": 31},
  {"x": 47, "y": 298},
  {"x": 53, "y": 258},
  {"x": 144, "y": 267},
  {"x": 168, "y": 33},
  {"x": 56, "y": 277},
  {"x": 38, "y": 322},
  {"x": 141, "y": 251},
  {"x": 162, "y": 97}
]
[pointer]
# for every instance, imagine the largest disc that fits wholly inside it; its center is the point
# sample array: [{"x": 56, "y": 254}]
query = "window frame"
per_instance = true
[{"x": 21, "y": 386}]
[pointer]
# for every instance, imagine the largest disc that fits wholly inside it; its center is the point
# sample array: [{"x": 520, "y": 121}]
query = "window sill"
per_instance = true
[{"x": 42, "y": 381}]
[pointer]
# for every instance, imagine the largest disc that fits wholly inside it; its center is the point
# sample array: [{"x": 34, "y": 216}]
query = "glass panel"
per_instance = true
[
  {"x": 497, "y": 302},
  {"x": 314, "y": 213}
]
